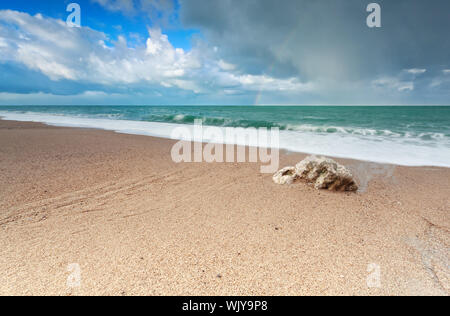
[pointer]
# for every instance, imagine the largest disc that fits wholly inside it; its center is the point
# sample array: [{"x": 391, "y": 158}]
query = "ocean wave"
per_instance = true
[
  {"x": 336, "y": 142},
  {"x": 318, "y": 129},
  {"x": 408, "y": 134}
]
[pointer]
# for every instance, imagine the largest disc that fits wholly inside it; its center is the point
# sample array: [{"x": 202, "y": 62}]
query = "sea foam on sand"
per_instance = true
[{"x": 398, "y": 151}]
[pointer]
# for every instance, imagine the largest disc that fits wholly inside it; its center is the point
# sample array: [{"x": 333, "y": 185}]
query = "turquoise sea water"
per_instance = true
[{"x": 401, "y": 135}]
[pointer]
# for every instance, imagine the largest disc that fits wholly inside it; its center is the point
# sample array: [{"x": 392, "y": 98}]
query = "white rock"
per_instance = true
[
  {"x": 326, "y": 173},
  {"x": 285, "y": 176}
]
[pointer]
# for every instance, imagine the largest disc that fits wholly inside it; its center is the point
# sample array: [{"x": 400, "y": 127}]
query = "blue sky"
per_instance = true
[
  {"x": 224, "y": 52},
  {"x": 113, "y": 23}
]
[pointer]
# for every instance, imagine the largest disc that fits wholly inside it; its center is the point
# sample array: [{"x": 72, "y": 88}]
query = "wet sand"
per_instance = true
[{"x": 138, "y": 224}]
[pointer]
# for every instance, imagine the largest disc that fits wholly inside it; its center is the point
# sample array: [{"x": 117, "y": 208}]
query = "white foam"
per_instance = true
[{"x": 375, "y": 149}]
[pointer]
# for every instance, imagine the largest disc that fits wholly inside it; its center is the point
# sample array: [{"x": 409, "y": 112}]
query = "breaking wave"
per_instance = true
[{"x": 413, "y": 137}]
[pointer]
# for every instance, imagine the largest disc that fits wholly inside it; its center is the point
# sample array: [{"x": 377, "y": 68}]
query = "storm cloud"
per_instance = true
[
  {"x": 329, "y": 41},
  {"x": 325, "y": 37}
]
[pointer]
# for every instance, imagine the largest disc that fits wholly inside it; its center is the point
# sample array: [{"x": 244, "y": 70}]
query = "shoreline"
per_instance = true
[
  {"x": 137, "y": 223},
  {"x": 283, "y": 152},
  {"x": 164, "y": 130}
]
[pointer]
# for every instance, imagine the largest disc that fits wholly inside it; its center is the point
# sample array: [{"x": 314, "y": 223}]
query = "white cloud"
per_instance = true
[
  {"x": 404, "y": 81},
  {"x": 416, "y": 71},
  {"x": 270, "y": 84},
  {"x": 33, "y": 57},
  {"x": 407, "y": 86},
  {"x": 3, "y": 43},
  {"x": 226, "y": 66},
  {"x": 394, "y": 84},
  {"x": 442, "y": 80},
  {"x": 435, "y": 83},
  {"x": 83, "y": 55}
]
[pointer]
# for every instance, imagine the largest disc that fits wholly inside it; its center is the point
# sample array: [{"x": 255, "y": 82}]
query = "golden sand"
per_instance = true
[{"x": 136, "y": 223}]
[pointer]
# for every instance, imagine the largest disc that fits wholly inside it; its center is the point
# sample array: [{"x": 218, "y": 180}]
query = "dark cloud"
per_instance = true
[{"x": 324, "y": 39}]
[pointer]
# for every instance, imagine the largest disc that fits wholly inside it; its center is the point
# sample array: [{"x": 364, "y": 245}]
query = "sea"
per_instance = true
[{"x": 401, "y": 135}]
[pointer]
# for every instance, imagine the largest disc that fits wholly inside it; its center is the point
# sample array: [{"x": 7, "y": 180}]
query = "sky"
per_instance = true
[{"x": 224, "y": 52}]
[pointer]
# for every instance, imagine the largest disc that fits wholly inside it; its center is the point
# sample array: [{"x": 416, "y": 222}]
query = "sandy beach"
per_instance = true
[{"x": 138, "y": 224}]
